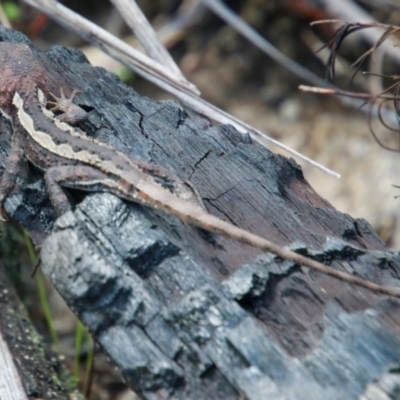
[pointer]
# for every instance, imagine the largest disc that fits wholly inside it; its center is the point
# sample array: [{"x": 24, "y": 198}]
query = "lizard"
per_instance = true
[{"x": 71, "y": 159}]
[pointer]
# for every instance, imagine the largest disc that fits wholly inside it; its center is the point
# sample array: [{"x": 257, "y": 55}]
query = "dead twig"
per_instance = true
[
  {"x": 377, "y": 102},
  {"x": 139, "y": 24}
]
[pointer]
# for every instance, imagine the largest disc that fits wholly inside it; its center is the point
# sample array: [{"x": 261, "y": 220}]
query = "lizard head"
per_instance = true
[{"x": 20, "y": 71}]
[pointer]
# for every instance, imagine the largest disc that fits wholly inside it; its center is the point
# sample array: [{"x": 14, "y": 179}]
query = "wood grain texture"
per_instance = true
[
  {"x": 190, "y": 315},
  {"x": 10, "y": 382},
  {"x": 29, "y": 369}
]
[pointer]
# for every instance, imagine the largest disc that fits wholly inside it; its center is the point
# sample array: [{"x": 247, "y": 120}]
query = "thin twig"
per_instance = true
[
  {"x": 259, "y": 41},
  {"x": 139, "y": 24},
  {"x": 349, "y": 11},
  {"x": 340, "y": 92},
  {"x": 188, "y": 13},
  {"x": 376, "y": 101},
  {"x": 139, "y": 62}
]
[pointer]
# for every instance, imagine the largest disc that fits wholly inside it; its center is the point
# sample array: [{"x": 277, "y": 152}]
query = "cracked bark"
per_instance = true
[{"x": 187, "y": 314}]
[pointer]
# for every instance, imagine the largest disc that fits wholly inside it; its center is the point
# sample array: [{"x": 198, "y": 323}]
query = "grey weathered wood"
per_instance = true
[
  {"x": 191, "y": 315},
  {"x": 29, "y": 369},
  {"x": 10, "y": 382}
]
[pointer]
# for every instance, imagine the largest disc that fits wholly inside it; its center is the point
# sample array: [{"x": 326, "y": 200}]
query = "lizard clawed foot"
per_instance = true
[
  {"x": 71, "y": 113},
  {"x": 62, "y": 103}
]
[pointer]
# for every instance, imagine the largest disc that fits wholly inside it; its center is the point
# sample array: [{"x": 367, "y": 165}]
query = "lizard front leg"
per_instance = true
[
  {"x": 11, "y": 169},
  {"x": 71, "y": 113},
  {"x": 72, "y": 176}
]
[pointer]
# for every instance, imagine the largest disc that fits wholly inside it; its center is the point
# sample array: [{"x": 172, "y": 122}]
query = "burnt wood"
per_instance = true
[
  {"x": 38, "y": 371},
  {"x": 186, "y": 314}
]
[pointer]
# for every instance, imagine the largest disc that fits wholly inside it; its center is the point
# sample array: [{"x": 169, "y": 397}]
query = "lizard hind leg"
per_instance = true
[{"x": 71, "y": 176}]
